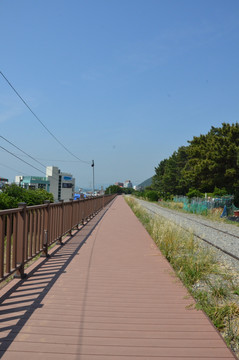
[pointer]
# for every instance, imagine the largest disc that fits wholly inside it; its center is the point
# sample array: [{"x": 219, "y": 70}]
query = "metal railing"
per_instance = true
[{"x": 28, "y": 231}]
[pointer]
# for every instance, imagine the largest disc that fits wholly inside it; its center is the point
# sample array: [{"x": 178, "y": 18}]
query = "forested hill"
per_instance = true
[
  {"x": 146, "y": 183},
  {"x": 209, "y": 161}
]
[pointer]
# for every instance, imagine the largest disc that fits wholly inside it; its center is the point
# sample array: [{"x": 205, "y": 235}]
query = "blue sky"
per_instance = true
[{"x": 122, "y": 82}]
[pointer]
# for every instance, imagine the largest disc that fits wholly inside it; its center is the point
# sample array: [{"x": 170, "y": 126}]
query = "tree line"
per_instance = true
[
  {"x": 12, "y": 195},
  {"x": 115, "y": 189},
  {"x": 209, "y": 162}
]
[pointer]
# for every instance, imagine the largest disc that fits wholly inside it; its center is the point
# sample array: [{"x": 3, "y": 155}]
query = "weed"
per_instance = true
[
  {"x": 218, "y": 289},
  {"x": 210, "y": 214},
  {"x": 209, "y": 282}
]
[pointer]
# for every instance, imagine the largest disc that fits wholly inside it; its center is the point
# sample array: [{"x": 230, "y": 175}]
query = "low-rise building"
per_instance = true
[
  {"x": 120, "y": 184},
  {"x": 138, "y": 188},
  {"x": 3, "y": 181},
  {"x": 60, "y": 184},
  {"x": 128, "y": 184},
  {"x": 33, "y": 182}
]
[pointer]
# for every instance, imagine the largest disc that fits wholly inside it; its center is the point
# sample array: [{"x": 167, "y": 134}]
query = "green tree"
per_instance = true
[
  {"x": 213, "y": 160},
  {"x": 7, "y": 202},
  {"x": 219, "y": 192},
  {"x": 113, "y": 189},
  {"x": 12, "y": 195},
  {"x": 159, "y": 173},
  {"x": 127, "y": 190},
  {"x": 151, "y": 195},
  {"x": 209, "y": 161},
  {"x": 194, "y": 193},
  {"x": 168, "y": 178}
]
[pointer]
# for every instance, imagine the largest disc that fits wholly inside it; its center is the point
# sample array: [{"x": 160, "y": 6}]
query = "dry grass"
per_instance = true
[
  {"x": 214, "y": 287},
  {"x": 211, "y": 214}
]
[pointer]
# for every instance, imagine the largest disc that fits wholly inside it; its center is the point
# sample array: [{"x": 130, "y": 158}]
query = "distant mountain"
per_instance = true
[{"x": 146, "y": 183}]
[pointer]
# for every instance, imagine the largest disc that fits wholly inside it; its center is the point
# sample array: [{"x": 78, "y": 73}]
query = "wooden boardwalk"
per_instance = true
[{"x": 108, "y": 293}]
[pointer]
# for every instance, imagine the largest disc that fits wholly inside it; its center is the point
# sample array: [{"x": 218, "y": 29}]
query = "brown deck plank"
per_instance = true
[{"x": 111, "y": 297}]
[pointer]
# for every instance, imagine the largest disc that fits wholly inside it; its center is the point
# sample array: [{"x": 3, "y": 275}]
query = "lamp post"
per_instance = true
[{"x": 93, "y": 166}]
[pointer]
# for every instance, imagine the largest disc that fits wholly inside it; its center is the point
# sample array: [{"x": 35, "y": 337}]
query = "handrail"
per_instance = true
[{"x": 29, "y": 230}]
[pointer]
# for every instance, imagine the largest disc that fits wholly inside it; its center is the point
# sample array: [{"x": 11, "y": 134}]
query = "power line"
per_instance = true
[
  {"x": 21, "y": 159},
  {"x": 24, "y": 162},
  {"x": 68, "y": 161},
  {"x": 22, "y": 151},
  {"x": 8, "y": 167},
  {"x": 16, "y": 156},
  {"x": 52, "y": 160},
  {"x": 33, "y": 113},
  {"x": 26, "y": 154}
]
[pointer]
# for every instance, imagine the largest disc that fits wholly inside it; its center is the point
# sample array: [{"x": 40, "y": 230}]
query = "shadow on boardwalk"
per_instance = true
[
  {"x": 19, "y": 303},
  {"x": 111, "y": 297}
]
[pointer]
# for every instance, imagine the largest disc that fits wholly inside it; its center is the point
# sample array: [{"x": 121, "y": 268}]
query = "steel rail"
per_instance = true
[{"x": 198, "y": 236}]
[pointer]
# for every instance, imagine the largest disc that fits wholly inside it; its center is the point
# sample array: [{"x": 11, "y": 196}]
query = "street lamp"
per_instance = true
[{"x": 93, "y": 166}]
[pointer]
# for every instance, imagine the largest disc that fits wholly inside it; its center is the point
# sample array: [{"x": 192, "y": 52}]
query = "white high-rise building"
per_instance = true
[{"x": 62, "y": 185}]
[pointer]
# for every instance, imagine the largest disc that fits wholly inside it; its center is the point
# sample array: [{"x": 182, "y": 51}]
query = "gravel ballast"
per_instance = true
[{"x": 222, "y": 235}]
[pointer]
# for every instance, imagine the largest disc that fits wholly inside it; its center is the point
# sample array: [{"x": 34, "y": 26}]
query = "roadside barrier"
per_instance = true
[{"x": 28, "y": 231}]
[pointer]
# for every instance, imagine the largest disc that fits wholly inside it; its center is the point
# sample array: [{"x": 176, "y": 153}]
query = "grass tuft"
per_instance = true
[{"x": 215, "y": 289}]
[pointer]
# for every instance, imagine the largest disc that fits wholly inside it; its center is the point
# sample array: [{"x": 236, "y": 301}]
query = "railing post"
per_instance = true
[
  {"x": 83, "y": 211},
  {"x": 46, "y": 230},
  {"x": 59, "y": 241},
  {"x": 21, "y": 241},
  {"x": 2, "y": 238},
  {"x": 94, "y": 206},
  {"x": 71, "y": 216},
  {"x": 78, "y": 212}
]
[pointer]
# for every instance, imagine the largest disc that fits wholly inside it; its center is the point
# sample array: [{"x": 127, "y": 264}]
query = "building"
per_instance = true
[
  {"x": 120, "y": 184},
  {"x": 33, "y": 182},
  {"x": 138, "y": 188},
  {"x": 61, "y": 185},
  {"x": 3, "y": 181},
  {"x": 128, "y": 184}
]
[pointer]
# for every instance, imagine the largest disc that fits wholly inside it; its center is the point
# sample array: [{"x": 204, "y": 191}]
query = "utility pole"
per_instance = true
[{"x": 93, "y": 166}]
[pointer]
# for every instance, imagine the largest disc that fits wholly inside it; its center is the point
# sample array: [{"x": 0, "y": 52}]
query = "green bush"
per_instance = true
[
  {"x": 219, "y": 192},
  {"x": 151, "y": 195},
  {"x": 113, "y": 189},
  {"x": 194, "y": 193},
  {"x": 7, "y": 202},
  {"x": 12, "y": 195},
  {"x": 139, "y": 194}
]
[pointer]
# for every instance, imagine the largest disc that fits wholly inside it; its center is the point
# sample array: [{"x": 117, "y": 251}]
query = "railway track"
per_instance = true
[{"x": 225, "y": 240}]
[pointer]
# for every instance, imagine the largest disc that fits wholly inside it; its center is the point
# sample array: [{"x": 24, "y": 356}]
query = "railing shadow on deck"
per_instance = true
[{"x": 30, "y": 290}]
